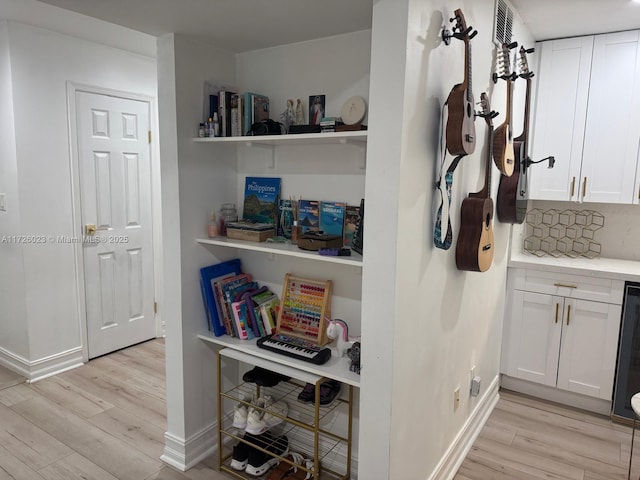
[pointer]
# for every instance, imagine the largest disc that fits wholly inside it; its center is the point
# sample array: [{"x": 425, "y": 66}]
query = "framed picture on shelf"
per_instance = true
[{"x": 316, "y": 109}]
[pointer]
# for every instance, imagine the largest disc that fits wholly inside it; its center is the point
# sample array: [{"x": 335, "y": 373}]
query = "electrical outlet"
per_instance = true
[
  {"x": 456, "y": 399},
  {"x": 472, "y": 374}
]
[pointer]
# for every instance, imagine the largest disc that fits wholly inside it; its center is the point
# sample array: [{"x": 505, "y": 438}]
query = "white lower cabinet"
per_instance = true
[{"x": 562, "y": 340}]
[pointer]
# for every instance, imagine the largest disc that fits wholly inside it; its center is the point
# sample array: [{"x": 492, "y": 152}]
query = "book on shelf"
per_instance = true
[
  {"x": 285, "y": 218},
  {"x": 224, "y": 114},
  {"x": 308, "y": 215},
  {"x": 236, "y": 115},
  {"x": 261, "y": 197},
  {"x": 253, "y": 310},
  {"x": 255, "y": 109},
  {"x": 358, "y": 239},
  {"x": 225, "y": 295},
  {"x": 351, "y": 222},
  {"x": 240, "y": 316},
  {"x": 332, "y": 217},
  {"x": 269, "y": 308},
  {"x": 209, "y": 278},
  {"x": 250, "y": 225}
]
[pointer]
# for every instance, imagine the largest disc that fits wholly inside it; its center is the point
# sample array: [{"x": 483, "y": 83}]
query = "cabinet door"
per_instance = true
[
  {"x": 589, "y": 347},
  {"x": 612, "y": 130},
  {"x": 560, "y": 115},
  {"x": 534, "y": 338}
]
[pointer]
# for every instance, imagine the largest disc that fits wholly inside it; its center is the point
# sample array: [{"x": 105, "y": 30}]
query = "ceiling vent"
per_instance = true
[{"x": 503, "y": 25}]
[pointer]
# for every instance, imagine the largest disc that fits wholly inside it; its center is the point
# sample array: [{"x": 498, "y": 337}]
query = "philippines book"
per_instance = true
[
  {"x": 309, "y": 215},
  {"x": 332, "y": 217},
  {"x": 261, "y": 198},
  {"x": 351, "y": 222},
  {"x": 285, "y": 218}
]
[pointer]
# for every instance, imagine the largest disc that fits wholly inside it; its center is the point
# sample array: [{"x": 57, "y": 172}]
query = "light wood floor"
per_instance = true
[{"x": 106, "y": 421}]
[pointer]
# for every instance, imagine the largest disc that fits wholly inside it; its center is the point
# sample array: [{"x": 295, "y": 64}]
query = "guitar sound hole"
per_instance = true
[
  {"x": 487, "y": 221},
  {"x": 469, "y": 110}
]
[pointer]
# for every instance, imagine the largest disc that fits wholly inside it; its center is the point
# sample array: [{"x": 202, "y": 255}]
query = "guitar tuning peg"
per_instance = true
[
  {"x": 475, "y": 32},
  {"x": 530, "y": 50},
  {"x": 512, "y": 45}
]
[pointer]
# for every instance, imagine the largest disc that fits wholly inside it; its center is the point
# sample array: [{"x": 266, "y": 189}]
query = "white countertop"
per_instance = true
[{"x": 596, "y": 267}]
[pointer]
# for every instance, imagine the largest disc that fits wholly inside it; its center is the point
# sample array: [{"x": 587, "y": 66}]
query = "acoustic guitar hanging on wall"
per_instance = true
[
  {"x": 460, "y": 129},
  {"x": 474, "y": 248},
  {"x": 503, "y": 153}
]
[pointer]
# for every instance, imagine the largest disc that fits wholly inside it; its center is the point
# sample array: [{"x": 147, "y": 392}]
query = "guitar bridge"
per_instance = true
[{"x": 486, "y": 247}]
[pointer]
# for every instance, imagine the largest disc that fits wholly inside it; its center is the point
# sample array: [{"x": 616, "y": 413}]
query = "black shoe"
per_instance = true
[
  {"x": 329, "y": 391},
  {"x": 263, "y": 377},
  {"x": 308, "y": 393},
  {"x": 241, "y": 450},
  {"x": 259, "y": 462}
]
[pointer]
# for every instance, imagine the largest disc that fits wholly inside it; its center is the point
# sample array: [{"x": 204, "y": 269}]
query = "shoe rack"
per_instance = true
[{"x": 311, "y": 429}]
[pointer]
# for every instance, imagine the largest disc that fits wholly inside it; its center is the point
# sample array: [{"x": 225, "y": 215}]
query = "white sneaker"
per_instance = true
[
  {"x": 240, "y": 412},
  {"x": 259, "y": 422}
]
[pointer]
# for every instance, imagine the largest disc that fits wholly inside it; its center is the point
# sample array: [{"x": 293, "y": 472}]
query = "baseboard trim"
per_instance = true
[
  {"x": 459, "y": 448},
  {"x": 576, "y": 400},
  {"x": 42, "y": 368},
  {"x": 184, "y": 454}
]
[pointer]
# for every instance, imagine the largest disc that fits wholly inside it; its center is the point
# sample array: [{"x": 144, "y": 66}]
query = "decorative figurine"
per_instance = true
[
  {"x": 288, "y": 117},
  {"x": 299, "y": 113},
  {"x": 354, "y": 354}
]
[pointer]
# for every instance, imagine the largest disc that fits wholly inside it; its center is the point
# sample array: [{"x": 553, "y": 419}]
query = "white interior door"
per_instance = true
[{"x": 115, "y": 195}]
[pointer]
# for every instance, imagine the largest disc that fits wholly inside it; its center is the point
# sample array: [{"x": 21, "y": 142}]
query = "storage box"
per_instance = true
[
  {"x": 251, "y": 235},
  {"x": 315, "y": 241}
]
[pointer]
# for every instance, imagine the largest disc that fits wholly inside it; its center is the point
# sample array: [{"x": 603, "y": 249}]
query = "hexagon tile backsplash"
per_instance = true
[{"x": 558, "y": 233}]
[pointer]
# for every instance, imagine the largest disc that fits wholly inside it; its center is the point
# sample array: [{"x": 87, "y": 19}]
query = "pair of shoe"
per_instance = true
[
  {"x": 329, "y": 391},
  {"x": 286, "y": 471},
  {"x": 253, "y": 461},
  {"x": 263, "y": 377},
  {"x": 258, "y": 420}
]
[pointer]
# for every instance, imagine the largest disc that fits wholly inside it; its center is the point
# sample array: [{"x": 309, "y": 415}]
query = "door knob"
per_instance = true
[{"x": 91, "y": 229}]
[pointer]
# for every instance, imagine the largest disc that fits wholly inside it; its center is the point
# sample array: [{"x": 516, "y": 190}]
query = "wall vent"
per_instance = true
[{"x": 503, "y": 25}]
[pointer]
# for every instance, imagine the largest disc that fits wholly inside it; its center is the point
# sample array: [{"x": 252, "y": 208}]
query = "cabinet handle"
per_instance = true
[
  {"x": 573, "y": 187},
  {"x": 568, "y": 314},
  {"x": 584, "y": 187},
  {"x": 557, "y": 308},
  {"x": 567, "y": 285}
]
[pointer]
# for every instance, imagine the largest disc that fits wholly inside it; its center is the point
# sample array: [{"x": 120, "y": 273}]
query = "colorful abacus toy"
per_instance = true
[{"x": 304, "y": 305}]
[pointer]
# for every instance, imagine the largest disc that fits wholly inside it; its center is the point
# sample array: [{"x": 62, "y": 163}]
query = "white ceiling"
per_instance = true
[{"x": 241, "y": 25}]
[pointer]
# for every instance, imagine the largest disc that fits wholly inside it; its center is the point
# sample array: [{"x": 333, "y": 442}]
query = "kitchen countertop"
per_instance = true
[{"x": 612, "y": 268}]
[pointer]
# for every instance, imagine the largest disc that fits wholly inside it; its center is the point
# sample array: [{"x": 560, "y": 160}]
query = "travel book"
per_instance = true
[
  {"x": 285, "y": 218},
  {"x": 308, "y": 215},
  {"x": 261, "y": 197},
  {"x": 332, "y": 218}
]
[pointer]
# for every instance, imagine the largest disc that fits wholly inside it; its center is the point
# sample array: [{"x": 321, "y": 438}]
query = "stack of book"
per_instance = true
[
  {"x": 238, "y": 111},
  {"x": 329, "y": 124}
]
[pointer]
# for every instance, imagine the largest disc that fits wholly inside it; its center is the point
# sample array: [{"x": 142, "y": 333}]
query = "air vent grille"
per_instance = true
[{"x": 503, "y": 27}]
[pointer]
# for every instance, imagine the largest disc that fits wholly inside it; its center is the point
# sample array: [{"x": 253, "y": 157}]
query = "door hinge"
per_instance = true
[
  {"x": 155, "y": 307},
  {"x": 149, "y": 136}
]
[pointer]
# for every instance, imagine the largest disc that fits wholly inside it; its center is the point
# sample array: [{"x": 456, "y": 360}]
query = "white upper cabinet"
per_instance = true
[{"x": 588, "y": 93}]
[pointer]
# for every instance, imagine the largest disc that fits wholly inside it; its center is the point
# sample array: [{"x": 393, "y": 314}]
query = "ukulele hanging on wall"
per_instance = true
[
  {"x": 511, "y": 202},
  {"x": 474, "y": 248},
  {"x": 503, "y": 153},
  {"x": 460, "y": 129}
]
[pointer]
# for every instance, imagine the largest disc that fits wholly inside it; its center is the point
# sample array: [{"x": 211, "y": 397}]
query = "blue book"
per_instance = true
[
  {"x": 209, "y": 277},
  {"x": 308, "y": 215},
  {"x": 261, "y": 198},
  {"x": 332, "y": 217}
]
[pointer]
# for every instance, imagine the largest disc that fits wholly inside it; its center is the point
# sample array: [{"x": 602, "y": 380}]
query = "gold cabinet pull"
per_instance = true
[
  {"x": 568, "y": 314},
  {"x": 584, "y": 187},
  {"x": 557, "y": 308},
  {"x": 567, "y": 285},
  {"x": 573, "y": 186}
]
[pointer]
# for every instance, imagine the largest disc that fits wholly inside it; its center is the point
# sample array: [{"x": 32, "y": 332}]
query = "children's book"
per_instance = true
[
  {"x": 269, "y": 308},
  {"x": 241, "y": 317},
  {"x": 223, "y": 297},
  {"x": 285, "y": 218},
  {"x": 209, "y": 278},
  {"x": 261, "y": 197},
  {"x": 332, "y": 217},
  {"x": 308, "y": 215},
  {"x": 351, "y": 222}
]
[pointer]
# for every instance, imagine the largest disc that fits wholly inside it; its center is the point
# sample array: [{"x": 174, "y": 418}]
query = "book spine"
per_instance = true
[{"x": 239, "y": 321}]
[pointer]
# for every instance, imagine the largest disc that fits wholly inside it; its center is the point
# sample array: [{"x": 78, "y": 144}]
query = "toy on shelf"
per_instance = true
[
  {"x": 354, "y": 354},
  {"x": 338, "y": 330}
]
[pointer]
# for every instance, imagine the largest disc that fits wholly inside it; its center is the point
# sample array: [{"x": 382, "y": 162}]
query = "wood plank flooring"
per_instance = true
[{"x": 106, "y": 420}]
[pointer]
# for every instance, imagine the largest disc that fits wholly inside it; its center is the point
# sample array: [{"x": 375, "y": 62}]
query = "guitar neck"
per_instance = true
[
  {"x": 467, "y": 73},
  {"x": 524, "y": 137}
]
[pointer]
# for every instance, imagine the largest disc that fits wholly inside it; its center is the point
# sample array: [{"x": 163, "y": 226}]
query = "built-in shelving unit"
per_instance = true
[
  {"x": 359, "y": 137},
  {"x": 286, "y": 249}
]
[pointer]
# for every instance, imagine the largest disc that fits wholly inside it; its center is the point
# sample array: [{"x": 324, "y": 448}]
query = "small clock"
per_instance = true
[{"x": 353, "y": 110}]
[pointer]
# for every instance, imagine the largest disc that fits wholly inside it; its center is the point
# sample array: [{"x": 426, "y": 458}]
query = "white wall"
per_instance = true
[
  {"x": 13, "y": 334},
  {"x": 439, "y": 322},
  {"x": 42, "y": 62}
]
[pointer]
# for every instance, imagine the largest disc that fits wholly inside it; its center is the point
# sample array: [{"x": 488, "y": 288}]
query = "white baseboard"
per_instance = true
[
  {"x": 42, "y": 368},
  {"x": 184, "y": 454},
  {"x": 458, "y": 450},
  {"x": 576, "y": 400}
]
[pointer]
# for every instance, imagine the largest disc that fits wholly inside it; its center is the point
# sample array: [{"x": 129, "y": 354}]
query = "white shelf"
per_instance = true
[
  {"x": 336, "y": 368},
  {"x": 357, "y": 137},
  {"x": 281, "y": 249}
]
